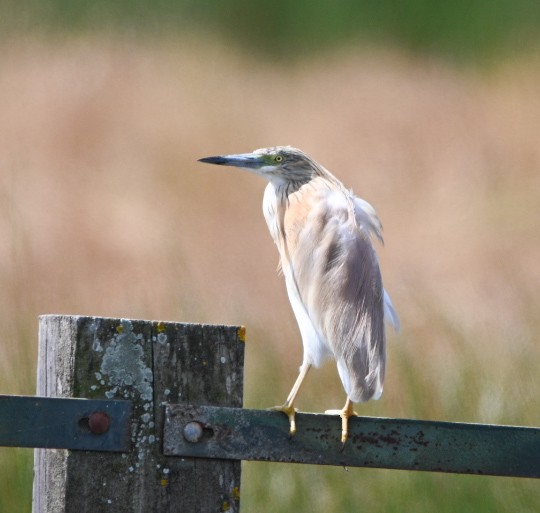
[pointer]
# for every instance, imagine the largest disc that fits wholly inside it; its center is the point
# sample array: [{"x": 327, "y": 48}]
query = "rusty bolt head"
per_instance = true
[
  {"x": 99, "y": 422},
  {"x": 193, "y": 432}
]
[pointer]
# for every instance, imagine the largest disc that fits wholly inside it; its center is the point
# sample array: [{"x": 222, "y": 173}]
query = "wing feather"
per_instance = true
[
  {"x": 337, "y": 276},
  {"x": 323, "y": 234}
]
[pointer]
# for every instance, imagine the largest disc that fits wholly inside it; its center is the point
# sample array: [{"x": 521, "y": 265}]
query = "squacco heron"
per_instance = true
[{"x": 324, "y": 237}]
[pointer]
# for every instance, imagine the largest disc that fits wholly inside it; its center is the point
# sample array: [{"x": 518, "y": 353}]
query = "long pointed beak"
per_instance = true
[{"x": 245, "y": 160}]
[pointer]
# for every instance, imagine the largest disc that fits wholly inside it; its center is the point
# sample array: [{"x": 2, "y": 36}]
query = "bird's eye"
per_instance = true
[{"x": 278, "y": 158}]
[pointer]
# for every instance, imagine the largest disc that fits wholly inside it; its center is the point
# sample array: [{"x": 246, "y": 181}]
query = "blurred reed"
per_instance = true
[{"x": 104, "y": 211}]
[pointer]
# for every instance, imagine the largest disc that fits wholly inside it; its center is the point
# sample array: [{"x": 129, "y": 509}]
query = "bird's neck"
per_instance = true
[
  {"x": 276, "y": 199},
  {"x": 284, "y": 189}
]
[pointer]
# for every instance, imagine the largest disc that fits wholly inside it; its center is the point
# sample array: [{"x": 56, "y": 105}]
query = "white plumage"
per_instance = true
[{"x": 324, "y": 237}]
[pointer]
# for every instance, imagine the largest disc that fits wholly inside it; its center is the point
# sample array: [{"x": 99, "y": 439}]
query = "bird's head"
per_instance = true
[{"x": 276, "y": 164}]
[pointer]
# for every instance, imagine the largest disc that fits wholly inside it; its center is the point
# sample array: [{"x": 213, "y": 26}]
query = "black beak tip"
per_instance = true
[{"x": 213, "y": 160}]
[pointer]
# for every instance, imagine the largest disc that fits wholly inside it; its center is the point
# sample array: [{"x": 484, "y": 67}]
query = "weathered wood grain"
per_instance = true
[{"x": 150, "y": 363}]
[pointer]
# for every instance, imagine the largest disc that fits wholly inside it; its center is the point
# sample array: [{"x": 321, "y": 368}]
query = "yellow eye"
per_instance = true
[{"x": 278, "y": 158}]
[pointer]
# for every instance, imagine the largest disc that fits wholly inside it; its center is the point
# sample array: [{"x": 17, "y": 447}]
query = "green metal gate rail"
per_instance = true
[
  {"x": 58, "y": 423},
  {"x": 240, "y": 434}
]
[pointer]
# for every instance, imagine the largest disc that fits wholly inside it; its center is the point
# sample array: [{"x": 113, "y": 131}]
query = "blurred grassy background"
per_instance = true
[
  {"x": 463, "y": 29},
  {"x": 429, "y": 111}
]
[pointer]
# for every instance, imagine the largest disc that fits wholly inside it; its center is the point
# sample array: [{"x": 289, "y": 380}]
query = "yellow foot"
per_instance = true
[
  {"x": 345, "y": 414},
  {"x": 288, "y": 410}
]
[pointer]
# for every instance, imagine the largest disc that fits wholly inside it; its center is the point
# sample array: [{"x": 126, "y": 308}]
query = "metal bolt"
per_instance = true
[
  {"x": 193, "y": 432},
  {"x": 99, "y": 422}
]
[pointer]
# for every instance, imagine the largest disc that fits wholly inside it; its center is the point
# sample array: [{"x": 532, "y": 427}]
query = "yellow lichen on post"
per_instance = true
[{"x": 242, "y": 333}]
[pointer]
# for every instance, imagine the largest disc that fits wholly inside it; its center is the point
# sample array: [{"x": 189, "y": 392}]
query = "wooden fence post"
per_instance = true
[{"x": 149, "y": 363}]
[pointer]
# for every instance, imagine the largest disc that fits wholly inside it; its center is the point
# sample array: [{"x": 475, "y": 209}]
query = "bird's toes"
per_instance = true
[
  {"x": 284, "y": 408},
  {"x": 290, "y": 411},
  {"x": 345, "y": 414},
  {"x": 333, "y": 412}
]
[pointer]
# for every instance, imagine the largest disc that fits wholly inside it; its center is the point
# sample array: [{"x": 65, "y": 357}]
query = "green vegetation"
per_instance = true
[
  {"x": 463, "y": 29},
  {"x": 16, "y": 471}
]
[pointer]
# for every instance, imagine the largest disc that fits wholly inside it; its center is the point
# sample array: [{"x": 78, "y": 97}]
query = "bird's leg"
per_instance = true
[
  {"x": 345, "y": 414},
  {"x": 288, "y": 408}
]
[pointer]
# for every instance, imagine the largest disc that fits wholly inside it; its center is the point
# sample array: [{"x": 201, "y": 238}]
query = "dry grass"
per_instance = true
[{"x": 104, "y": 211}]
